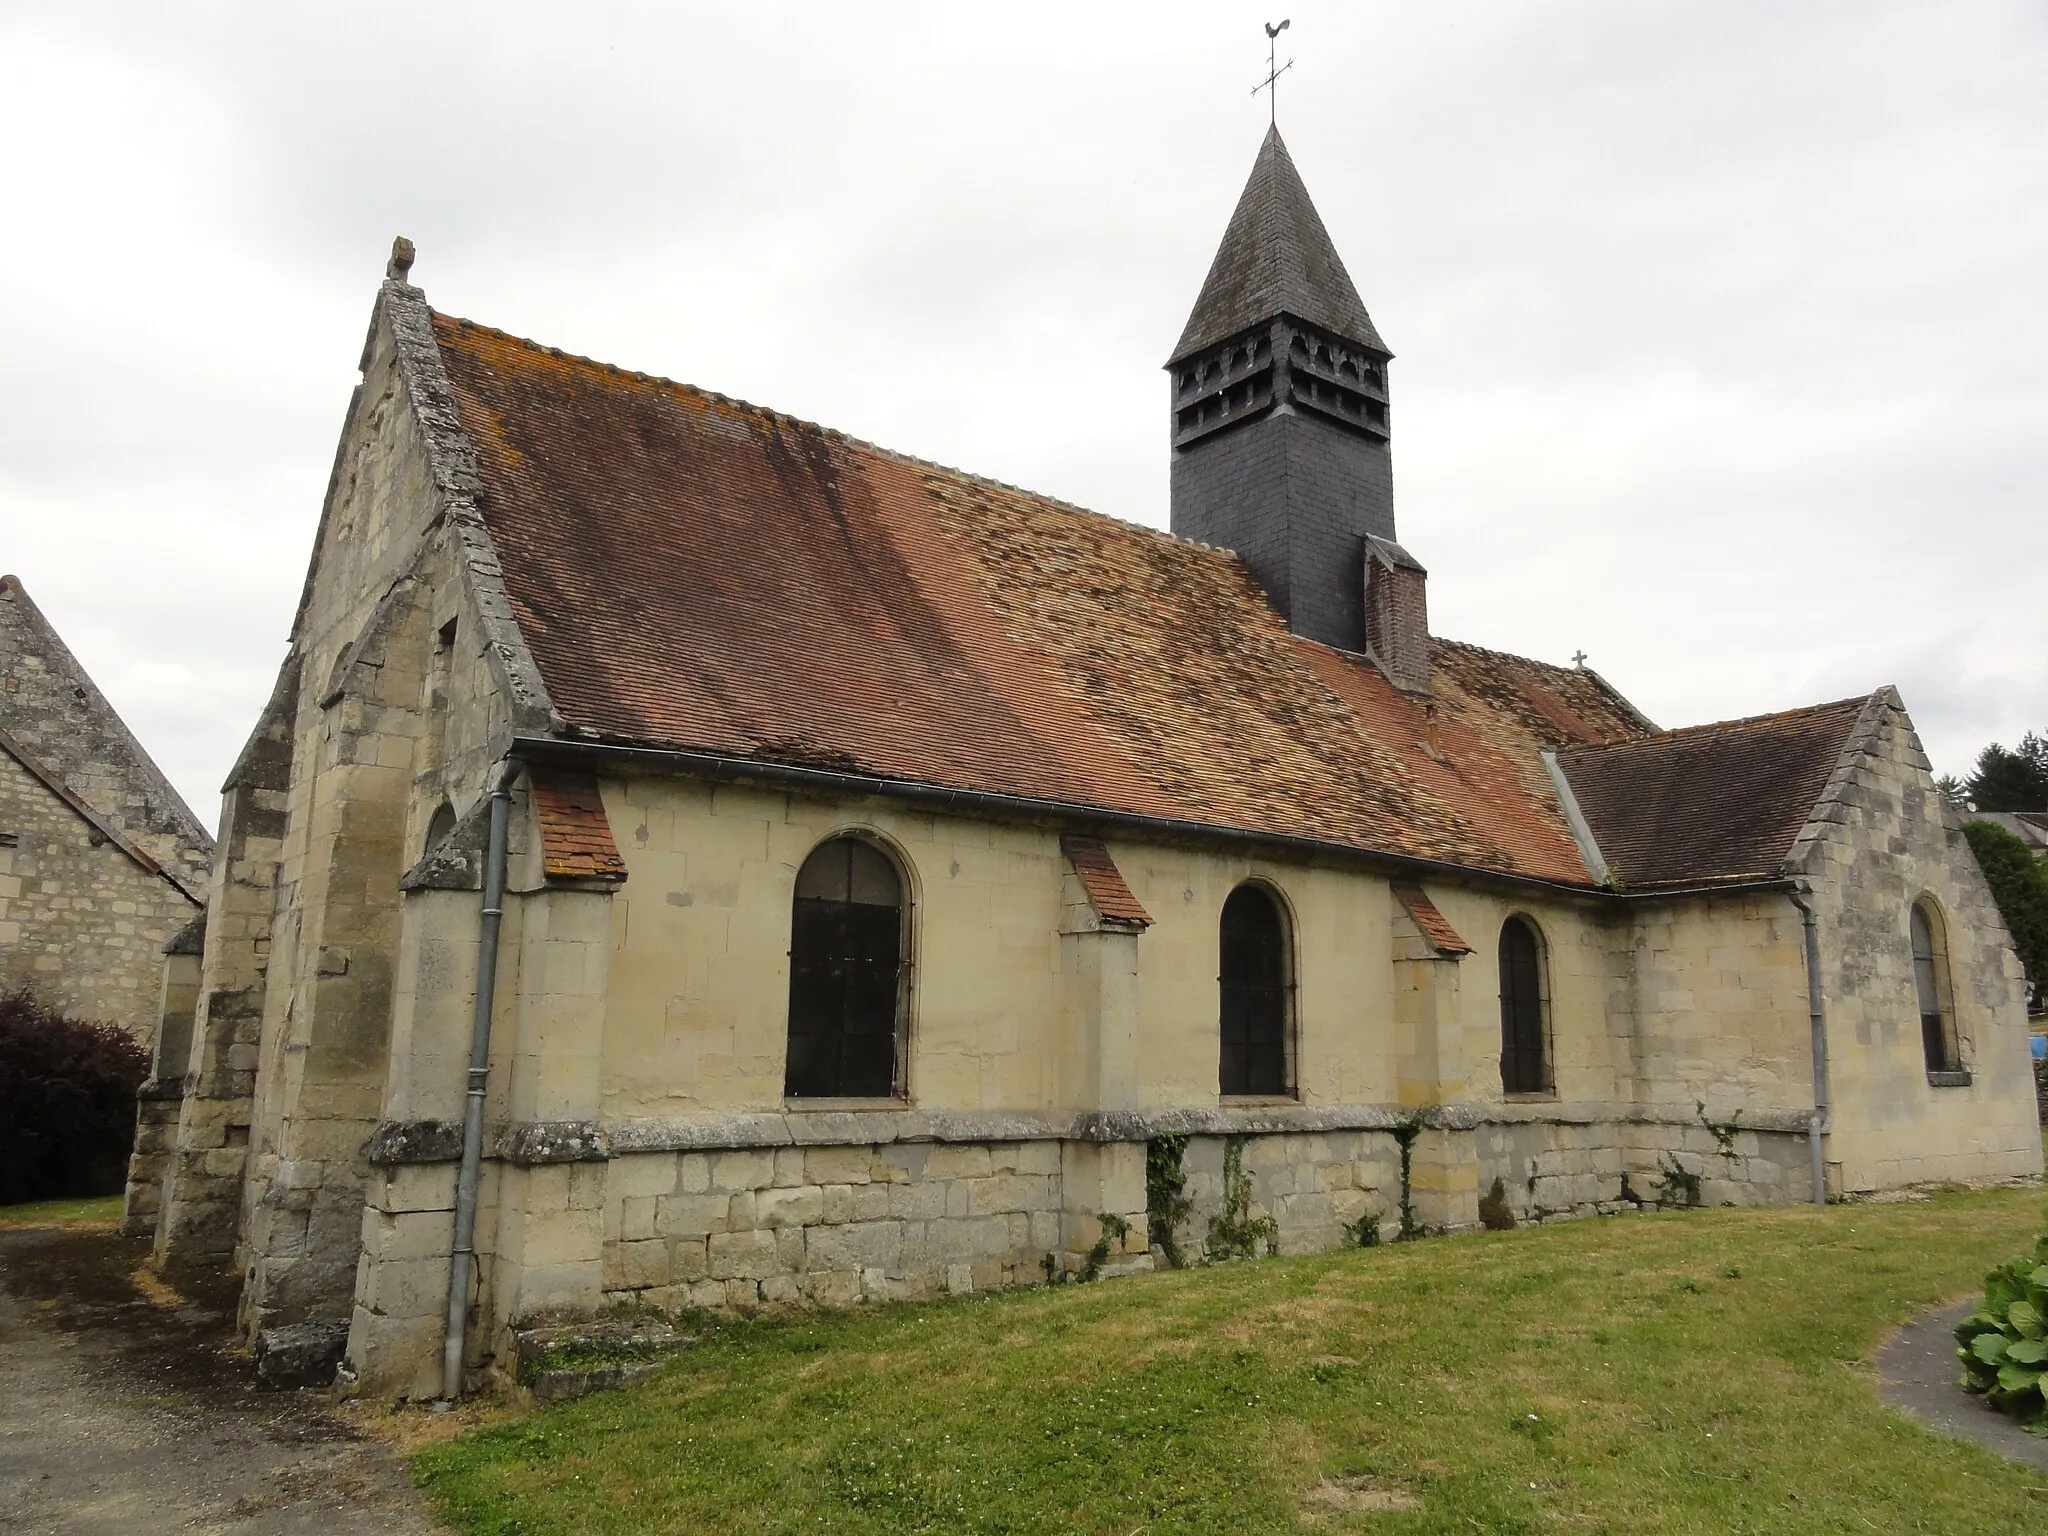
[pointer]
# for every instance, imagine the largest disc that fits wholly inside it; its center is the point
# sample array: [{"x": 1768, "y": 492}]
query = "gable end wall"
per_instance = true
[{"x": 1882, "y": 836}]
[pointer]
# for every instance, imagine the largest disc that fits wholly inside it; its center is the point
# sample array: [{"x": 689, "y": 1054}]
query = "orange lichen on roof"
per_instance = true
[
  {"x": 575, "y": 834},
  {"x": 692, "y": 572},
  {"x": 1434, "y": 925},
  {"x": 1103, "y": 881}
]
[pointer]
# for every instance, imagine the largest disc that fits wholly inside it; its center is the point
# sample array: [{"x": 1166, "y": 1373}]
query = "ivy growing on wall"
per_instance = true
[
  {"x": 1236, "y": 1233},
  {"x": 1404, "y": 1136},
  {"x": 1166, "y": 1199}
]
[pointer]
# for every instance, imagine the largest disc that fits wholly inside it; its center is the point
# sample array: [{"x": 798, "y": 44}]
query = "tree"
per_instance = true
[
  {"x": 2019, "y": 884},
  {"x": 2009, "y": 778}
]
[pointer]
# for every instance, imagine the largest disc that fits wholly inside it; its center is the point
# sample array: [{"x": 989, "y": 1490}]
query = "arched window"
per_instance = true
[
  {"x": 1930, "y": 984},
  {"x": 1256, "y": 982},
  {"x": 1524, "y": 1043},
  {"x": 439, "y": 826},
  {"x": 846, "y": 968}
]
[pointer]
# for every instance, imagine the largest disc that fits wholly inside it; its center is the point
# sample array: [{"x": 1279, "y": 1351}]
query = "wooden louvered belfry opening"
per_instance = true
[
  {"x": 1930, "y": 986},
  {"x": 846, "y": 973},
  {"x": 1254, "y": 979},
  {"x": 1524, "y": 1048}
]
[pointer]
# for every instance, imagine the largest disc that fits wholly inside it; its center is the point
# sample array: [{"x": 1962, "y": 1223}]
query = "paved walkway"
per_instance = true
[
  {"x": 1917, "y": 1371},
  {"x": 120, "y": 1416}
]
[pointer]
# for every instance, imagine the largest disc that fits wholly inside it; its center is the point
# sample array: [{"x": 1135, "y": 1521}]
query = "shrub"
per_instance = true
[
  {"x": 67, "y": 1102},
  {"x": 1495, "y": 1214},
  {"x": 2003, "y": 1344}
]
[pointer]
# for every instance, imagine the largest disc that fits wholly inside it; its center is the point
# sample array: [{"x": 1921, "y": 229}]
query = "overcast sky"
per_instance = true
[{"x": 1721, "y": 344}]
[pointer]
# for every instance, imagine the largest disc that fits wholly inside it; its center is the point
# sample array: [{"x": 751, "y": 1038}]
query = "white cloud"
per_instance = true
[{"x": 1719, "y": 330}]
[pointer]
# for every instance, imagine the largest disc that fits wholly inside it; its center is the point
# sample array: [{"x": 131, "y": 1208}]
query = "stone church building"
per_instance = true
[{"x": 695, "y": 858}]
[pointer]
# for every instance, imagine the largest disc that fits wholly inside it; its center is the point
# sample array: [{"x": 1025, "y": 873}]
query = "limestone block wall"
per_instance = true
[
  {"x": 81, "y": 923},
  {"x": 1552, "y": 1167},
  {"x": 836, "y": 1224},
  {"x": 829, "y": 1224},
  {"x": 1882, "y": 839},
  {"x": 160, "y": 1098},
  {"x": 699, "y": 977},
  {"x": 1710, "y": 1002},
  {"x": 202, "y": 1175}
]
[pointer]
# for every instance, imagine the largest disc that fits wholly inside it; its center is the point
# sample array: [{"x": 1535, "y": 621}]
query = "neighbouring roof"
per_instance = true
[
  {"x": 57, "y": 722},
  {"x": 1710, "y": 803},
  {"x": 692, "y": 572},
  {"x": 2030, "y": 827},
  {"x": 1276, "y": 258}
]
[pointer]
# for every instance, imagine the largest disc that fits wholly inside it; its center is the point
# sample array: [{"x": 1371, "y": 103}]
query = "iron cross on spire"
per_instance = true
[{"x": 1272, "y": 81}]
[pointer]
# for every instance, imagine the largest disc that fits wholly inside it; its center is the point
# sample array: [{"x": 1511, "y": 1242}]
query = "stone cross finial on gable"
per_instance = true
[{"x": 399, "y": 268}]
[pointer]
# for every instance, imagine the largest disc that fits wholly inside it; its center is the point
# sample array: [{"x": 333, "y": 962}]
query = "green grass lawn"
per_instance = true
[
  {"x": 101, "y": 1211},
  {"x": 1693, "y": 1372}
]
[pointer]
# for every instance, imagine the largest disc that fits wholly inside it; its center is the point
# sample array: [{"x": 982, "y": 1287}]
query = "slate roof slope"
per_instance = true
[
  {"x": 1276, "y": 257},
  {"x": 53, "y": 711},
  {"x": 1711, "y": 803},
  {"x": 693, "y": 572}
]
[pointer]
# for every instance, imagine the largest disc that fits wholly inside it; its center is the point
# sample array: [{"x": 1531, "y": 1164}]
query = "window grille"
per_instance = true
[
  {"x": 846, "y": 972},
  {"x": 1524, "y": 1050},
  {"x": 1255, "y": 990},
  {"x": 1930, "y": 987}
]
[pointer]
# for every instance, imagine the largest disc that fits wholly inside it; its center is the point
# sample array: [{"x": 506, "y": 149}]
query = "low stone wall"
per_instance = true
[
  {"x": 2041, "y": 1086},
  {"x": 836, "y": 1225},
  {"x": 831, "y": 1225},
  {"x": 1550, "y": 1169},
  {"x": 675, "y": 1229}
]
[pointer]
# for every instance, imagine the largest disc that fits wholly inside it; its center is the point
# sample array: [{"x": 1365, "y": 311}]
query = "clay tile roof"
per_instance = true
[
  {"x": 1434, "y": 925},
  {"x": 1712, "y": 802},
  {"x": 575, "y": 834},
  {"x": 1103, "y": 881},
  {"x": 1276, "y": 258},
  {"x": 691, "y": 572}
]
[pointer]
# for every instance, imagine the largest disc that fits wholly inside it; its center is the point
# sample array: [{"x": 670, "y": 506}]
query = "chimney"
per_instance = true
[{"x": 1397, "y": 614}]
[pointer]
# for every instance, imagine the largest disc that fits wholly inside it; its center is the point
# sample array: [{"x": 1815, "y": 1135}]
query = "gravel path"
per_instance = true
[
  {"x": 1917, "y": 1371},
  {"x": 117, "y": 1415}
]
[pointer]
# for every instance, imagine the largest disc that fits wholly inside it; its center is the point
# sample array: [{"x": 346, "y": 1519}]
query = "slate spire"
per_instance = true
[
  {"x": 1276, "y": 258},
  {"x": 1280, "y": 410}
]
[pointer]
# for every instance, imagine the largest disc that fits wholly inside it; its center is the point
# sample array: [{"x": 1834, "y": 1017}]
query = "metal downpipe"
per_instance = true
[
  {"x": 1818, "y": 1018},
  {"x": 462, "y": 1254}
]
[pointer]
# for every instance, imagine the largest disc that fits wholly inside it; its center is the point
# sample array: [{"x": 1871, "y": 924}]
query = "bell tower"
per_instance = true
[{"x": 1279, "y": 389}]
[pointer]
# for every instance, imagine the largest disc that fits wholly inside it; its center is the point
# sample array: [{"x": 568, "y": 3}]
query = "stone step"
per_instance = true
[{"x": 559, "y": 1362}]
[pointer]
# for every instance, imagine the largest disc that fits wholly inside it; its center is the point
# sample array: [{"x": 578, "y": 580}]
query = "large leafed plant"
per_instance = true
[{"x": 2003, "y": 1344}]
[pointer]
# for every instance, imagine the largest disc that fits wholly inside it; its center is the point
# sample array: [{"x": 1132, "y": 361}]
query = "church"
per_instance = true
[{"x": 692, "y": 858}]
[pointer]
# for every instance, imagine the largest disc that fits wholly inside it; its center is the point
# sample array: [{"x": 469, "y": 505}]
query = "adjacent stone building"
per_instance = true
[
  {"x": 100, "y": 861},
  {"x": 851, "y": 868}
]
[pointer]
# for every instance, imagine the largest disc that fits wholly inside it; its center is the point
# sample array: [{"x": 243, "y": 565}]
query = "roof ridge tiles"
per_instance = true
[{"x": 1743, "y": 722}]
